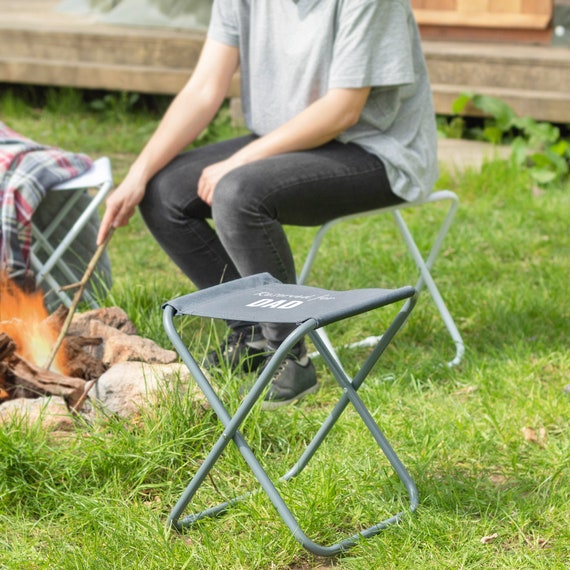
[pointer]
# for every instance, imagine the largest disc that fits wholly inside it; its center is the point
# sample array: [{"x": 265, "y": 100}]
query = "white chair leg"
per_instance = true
[
  {"x": 427, "y": 280},
  {"x": 73, "y": 233},
  {"x": 98, "y": 177}
]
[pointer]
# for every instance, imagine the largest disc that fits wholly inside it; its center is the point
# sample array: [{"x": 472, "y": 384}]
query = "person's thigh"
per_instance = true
[
  {"x": 252, "y": 203},
  {"x": 310, "y": 187},
  {"x": 172, "y": 192}
]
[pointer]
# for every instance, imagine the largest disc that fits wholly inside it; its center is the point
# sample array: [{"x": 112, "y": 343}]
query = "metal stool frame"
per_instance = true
[{"x": 349, "y": 386}]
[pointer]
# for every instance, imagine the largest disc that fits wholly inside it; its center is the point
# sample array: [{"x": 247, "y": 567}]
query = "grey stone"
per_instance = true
[
  {"x": 128, "y": 386},
  {"x": 51, "y": 411}
]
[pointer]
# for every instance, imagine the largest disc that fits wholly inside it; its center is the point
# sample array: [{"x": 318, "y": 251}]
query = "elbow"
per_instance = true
[
  {"x": 207, "y": 93},
  {"x": 347, "y": 106},
  {"x": 351, "y": 118},
  {"x": 347, "y": 119}
]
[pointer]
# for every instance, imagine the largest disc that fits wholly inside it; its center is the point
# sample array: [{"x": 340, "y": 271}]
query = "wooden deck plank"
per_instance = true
[
  {"x": 482, "y": 20},
  {"x": 40, "y": 45},
  {"x": 527, "y": 14}
]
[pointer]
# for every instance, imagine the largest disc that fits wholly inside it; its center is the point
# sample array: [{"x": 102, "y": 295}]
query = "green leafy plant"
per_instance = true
[
  {"x": 117, "y": 104},
  {"x": 536, "y": 145}
]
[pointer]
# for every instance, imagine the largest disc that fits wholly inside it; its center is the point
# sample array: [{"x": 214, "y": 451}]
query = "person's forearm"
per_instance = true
[
  {"x": 177, "y": 129},
  {"x": 186, "y": 118},
  {"x": 318, "y": 124}
]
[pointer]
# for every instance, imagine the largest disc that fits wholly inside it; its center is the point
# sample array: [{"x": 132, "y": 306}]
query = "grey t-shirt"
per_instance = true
[{"x": 293, "y": 51}]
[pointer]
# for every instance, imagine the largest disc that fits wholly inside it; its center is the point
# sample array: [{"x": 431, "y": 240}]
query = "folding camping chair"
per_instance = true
[
  {"x": 49, "y": 251},
  {"x": 261, "y": 298},
  {"x": 424, "y": 265}
]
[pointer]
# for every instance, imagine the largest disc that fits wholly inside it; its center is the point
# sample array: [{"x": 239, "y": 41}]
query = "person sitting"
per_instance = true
[{"x": 337, "y": 99}]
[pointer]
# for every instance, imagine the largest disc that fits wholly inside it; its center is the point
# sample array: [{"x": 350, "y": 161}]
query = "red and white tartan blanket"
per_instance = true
[{"x": 27, "y": 171}]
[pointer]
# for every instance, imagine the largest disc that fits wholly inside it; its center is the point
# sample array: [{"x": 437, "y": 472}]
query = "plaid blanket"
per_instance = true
[{"x": 27, "y": 171}]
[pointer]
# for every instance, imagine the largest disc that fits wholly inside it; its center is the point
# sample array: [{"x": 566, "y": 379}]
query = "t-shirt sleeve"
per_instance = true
[
  {"x": 373, "y": 45},
  {"x": 224, "y": 26}
]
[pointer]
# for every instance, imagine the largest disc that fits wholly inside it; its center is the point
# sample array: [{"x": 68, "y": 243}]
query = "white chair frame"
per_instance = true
[
  {"x": 98, "y": 177},
  {"x": 424, "y": 266}
]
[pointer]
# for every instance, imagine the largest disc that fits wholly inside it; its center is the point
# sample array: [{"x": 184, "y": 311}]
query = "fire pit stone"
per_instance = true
[
  {"x": 105, "y": 357},
  {"x": 50, "y": 410},
  {"x": 128, "y": 386}
]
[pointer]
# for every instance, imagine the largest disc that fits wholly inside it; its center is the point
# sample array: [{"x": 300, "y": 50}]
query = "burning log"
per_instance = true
[
  {"x": 21, "y": 378},
  {"x": 96, "y": 340},
  {"x": 81, "y": 346},
  {"x": 80, "y": 361},
  {"x": 7, "y": 348}
]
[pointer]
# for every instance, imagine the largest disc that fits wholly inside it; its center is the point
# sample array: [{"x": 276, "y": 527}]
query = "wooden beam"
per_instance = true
[
  {"x": 85, "y": 75},
  {"x": 483, "y": 19}
]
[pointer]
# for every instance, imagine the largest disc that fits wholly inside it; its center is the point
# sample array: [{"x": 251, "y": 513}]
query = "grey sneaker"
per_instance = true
[
  {"x": 238, "y": 354},
  {"x": 295, "y": 378}
]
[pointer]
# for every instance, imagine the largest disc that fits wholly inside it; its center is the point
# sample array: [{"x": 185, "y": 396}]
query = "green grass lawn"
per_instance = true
[{"x": 486, "y": 443}]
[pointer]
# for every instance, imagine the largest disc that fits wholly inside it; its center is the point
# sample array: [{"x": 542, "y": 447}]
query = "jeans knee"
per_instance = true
[
  {"x": 169, "y": 200},
  {"x": 226, "y": 204},
  {"x": 151, "y": 205},
  {"x": 237, "y": 202}
]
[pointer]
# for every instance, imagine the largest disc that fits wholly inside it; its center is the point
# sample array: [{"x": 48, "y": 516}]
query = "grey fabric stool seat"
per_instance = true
[{"x": 261, "y": 298}]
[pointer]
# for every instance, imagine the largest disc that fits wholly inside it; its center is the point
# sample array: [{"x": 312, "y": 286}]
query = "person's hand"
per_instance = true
[
  {"x": 120, "y": 207},
  {"x": 212, "y": 174}
]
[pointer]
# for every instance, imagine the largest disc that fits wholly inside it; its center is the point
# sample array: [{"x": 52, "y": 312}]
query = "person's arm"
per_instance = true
[
  {"x": 316, "y": 125},
  {"x": 188, "y": 115}
]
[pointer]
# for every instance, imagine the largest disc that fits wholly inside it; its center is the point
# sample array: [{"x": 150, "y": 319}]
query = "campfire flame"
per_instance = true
[{"x": 23, "y": 318}]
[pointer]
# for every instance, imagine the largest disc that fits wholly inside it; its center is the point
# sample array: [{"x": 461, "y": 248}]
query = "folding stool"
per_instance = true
[
  {"x": 424, "y": 265},
  {"x": 262, "y": 298},
  {"x": 47, "y": 256}
]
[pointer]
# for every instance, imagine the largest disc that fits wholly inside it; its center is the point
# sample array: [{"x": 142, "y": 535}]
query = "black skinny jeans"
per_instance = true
[{"x": 250, "y": 206}]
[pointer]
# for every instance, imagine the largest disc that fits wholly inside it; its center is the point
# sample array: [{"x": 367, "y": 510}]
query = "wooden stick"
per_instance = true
[
  {"x": 76, "y": 408},
  {"x": 77, "y": 297}
]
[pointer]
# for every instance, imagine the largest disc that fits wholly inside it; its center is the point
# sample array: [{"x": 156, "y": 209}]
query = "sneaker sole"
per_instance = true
[{"x": 270, "y": 405}]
